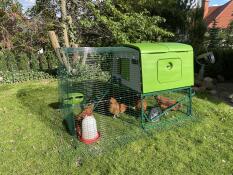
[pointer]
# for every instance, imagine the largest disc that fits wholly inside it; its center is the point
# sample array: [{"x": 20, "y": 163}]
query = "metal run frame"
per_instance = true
[{"x": 189, "y": 93}]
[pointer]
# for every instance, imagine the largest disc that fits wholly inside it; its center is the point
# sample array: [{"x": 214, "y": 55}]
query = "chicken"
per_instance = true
[
  {"x": 116, "y": 108},
  {"x": 78, "y": 129},
  {"x": 88, "y": 110},
  {"x": 140, "y": 103},
  {"x": 123, "y": 108},
  {"x": 165, "y": 102}
]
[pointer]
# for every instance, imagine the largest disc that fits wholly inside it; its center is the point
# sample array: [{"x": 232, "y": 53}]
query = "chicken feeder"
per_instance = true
[{"x": 89, "y": 130}]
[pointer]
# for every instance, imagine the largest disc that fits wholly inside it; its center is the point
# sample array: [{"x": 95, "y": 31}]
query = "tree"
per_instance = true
[
  {"x": 64, "y": 25},
  {"x": 44, "y": 17},
  {"x": 110, "y": 22},
  {"x": 20, "y": 32},
  {"x": 214, "y": 36},
  {"x": 178, "y": 13},
  {"x": 10, "y": 17},
  {"x": 229, "y": 36},
  {"x": 197, "y": 29}
]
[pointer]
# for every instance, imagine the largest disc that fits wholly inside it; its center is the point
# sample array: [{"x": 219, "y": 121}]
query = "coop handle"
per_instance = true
[{"x": 169, "y": 66}]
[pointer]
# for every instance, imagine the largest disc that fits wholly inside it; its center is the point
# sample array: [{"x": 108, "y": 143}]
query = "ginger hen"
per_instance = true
[
  {"x": 140, "y": 103},
  {"x": 116, "y": 108},
  {"x": 165, "y": 102}
]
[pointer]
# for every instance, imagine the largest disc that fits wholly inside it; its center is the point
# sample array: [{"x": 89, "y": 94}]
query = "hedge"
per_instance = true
[
  {"x": 20, "y": 67},
  {"x": 223, "y": 65},
  {"x": 10, "y": 61},
  {"x": 10, "y": 77}
]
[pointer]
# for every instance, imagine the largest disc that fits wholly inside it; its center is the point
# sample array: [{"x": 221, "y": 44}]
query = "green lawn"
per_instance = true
[{"x": 33, "y": 140}]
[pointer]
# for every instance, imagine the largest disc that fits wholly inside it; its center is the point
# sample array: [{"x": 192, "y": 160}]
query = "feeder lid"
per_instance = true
[{"x": 159, "y": 47}]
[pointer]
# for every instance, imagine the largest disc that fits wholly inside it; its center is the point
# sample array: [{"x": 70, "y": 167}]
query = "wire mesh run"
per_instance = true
[{"x": 102, "y": 100}]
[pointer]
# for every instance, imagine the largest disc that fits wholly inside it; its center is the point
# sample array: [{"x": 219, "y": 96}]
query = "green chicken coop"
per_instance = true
[
  {"x": 160, "y": 66},
  {"x": 153, "y": 81}
]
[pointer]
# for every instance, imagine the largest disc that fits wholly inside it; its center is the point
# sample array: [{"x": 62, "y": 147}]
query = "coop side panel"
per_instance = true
[
  {"x": 153, "y": 65},
  {"x": 126, "y": 68}
]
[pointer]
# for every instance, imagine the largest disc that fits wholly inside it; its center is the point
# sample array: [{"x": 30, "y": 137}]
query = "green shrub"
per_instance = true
[
  {"x": 89, "y": 72},
  {"x": 23, "y": 61},
  {"x": 43, "y": 64},
  {"x": 34, "y": 63},
  {"x": 51, "y": 60},
  {"x": 223, "y": 65},
  {"x": 22, "y": 75},
  {"x": 11, "y": 61},
  {"x": 3, "y": 62}
]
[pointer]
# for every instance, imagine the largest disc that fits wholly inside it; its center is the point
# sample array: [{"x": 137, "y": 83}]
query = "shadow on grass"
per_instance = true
[
  {"x": 43, "y": 103},
  {"x": 208, "y": 97},
  {"x": 213, "y": 98},
  {"x": 55, "y": 105}
]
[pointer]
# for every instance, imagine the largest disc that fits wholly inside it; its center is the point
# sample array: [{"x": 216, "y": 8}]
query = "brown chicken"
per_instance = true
[
  {"x": 140, "y": 103},
  {"x": 88, "y": 110},
  {"x": 116, "y": 108},
  {"x": 165, "y": 102}
]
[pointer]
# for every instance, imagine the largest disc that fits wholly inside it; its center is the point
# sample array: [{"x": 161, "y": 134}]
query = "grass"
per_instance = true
[{"x": 33, "y": 140}]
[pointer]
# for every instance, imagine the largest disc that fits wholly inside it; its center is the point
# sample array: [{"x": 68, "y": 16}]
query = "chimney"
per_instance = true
[{"x": 205, "y": 7}]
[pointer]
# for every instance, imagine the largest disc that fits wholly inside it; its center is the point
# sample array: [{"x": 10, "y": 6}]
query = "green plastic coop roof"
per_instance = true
[
  {"x": 148, "y": 48},
  {"x": 144, "y": 48}
]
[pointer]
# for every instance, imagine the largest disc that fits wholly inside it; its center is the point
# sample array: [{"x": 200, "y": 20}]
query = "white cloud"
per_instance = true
[
  {"x": 216, "y": 5},
  {"x": 30, "y": 2}
]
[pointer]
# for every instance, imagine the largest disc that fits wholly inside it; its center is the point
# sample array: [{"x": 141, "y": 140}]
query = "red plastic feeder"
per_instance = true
[{"x": 90, "y": 141}]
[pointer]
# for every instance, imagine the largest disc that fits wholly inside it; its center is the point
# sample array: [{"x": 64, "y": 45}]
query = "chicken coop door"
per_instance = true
[
  {"x": 125, "y": 68},
  {"x": 169, "y": 70}
]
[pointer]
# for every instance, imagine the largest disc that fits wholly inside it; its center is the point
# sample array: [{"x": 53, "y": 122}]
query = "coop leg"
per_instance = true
[
  {"x": 142, "y": 114},
  {"x": 190, "y": 101}
]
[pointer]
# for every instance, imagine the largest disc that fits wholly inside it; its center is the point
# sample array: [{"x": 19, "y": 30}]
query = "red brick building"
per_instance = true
[{"x": 222, "y": 14}]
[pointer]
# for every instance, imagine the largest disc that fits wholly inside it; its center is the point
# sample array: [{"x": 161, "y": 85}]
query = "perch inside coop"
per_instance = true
[{"x": 143, "y": 84}]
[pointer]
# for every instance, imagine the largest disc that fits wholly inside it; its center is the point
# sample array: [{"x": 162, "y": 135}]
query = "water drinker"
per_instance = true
[
  {"x": 73, "y": 99},
  {"x": 89, "y": 130}
]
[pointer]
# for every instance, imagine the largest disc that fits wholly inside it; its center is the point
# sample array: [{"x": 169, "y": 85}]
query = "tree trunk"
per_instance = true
[
  {"x": 60, "y": 53},
  {"x": 64, "y": 26}
]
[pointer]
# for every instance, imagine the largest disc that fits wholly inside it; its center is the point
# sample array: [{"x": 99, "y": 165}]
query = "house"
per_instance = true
[
  {"x": 223, "y": 14},
  {"x": 194, "y": 3}
]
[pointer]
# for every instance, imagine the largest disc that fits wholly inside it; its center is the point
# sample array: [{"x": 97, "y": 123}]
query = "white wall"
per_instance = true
[{"x": 198, "y": 3}]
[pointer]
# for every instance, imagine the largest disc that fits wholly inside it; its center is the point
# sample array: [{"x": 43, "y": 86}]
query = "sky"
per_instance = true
[
  {"x": 29, "y": 3},
  {"x": 217, "y": 2}
]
